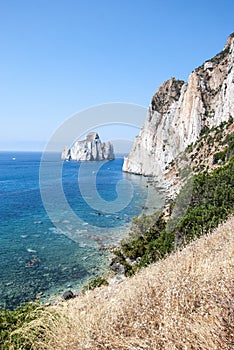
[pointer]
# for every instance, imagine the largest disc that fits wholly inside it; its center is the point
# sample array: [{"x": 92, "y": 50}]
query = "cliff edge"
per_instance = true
[{"x": 179, "y": 112}]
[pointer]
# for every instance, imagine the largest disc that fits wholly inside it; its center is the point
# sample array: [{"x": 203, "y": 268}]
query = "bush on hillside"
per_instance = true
[
  {"x": 205, "y": 201},
  {"x": 11, "y": 320}
]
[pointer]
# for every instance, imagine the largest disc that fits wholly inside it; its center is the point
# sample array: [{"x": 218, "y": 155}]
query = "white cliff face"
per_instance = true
[
  {"x": 180, "y": 111},
  {"x": 90, "y": 149}
]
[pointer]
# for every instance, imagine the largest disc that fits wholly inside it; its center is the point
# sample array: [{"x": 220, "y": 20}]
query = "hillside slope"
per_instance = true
[
  {"x": 213, "y": 149},
  {"x": 182, "y": 302}
]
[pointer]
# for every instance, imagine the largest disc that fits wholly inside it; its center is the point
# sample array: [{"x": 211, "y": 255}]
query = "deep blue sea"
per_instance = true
[{"x": 49, "y": 242}]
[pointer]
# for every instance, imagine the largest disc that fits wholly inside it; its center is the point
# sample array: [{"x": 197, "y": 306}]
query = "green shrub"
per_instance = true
[
  {"x": 95, "y": 283},
  {"x": 229, "y": 139},
  {"x": 212, "y": 200},
  {"x": 202, "y": 204},
  {"x": 204, "y": 131},
  {"x": 219, "y": 136},
  {"x": 219, "y": 157},
  {"x": 228, "y": 152},
  {"x": 11, "y": 321},
  {"x": 210, "y": 141},
  {"x": 189, "y": 148},
  {"x": 142, "y": 223}
]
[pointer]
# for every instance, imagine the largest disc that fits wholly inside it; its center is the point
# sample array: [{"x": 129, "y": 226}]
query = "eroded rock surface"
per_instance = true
[
  {"x": 179, "y": 112},
  {"x": 90, "y": 149}
]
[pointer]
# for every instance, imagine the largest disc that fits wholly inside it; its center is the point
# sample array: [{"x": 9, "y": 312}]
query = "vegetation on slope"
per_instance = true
[
  {"x": 10, "y": 321},
  {"x": 203, "y": 155},
  {"x": 182, "y": 302},
  {"x": 205, "y": 201},
  {"x": 170, "y": 317}
]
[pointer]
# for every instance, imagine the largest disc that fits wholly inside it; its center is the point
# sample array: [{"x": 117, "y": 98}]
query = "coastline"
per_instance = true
[{"x": 35, "y": 256}]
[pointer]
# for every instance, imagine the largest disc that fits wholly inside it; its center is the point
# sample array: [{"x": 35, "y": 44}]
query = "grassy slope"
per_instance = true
[{"x": 182, "y": 302}]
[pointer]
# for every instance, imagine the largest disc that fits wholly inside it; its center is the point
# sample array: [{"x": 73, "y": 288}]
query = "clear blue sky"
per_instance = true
[{"x": 61, "y": 56}]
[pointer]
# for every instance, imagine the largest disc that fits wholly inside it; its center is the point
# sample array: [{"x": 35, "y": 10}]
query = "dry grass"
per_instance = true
[{"x": 183, "y": 302}]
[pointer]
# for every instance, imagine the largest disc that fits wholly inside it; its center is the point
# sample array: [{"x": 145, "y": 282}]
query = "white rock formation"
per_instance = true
[
  {"x": 180, "y": 111},
  {"x": 89, "y": 149}
]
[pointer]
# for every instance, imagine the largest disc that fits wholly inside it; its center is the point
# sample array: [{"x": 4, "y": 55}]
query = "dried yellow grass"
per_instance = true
[{"x": 182, "y": 302}]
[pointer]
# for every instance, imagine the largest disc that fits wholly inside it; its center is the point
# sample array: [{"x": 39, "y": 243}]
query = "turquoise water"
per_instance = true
[{"x": 42, "y": 255}]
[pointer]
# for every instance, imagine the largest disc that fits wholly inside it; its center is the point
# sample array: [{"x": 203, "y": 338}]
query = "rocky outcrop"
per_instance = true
[
  {"x": 68, "y": 295},
  {"x": 89, "y": 149},
  {"x": 180, "y": 112}
]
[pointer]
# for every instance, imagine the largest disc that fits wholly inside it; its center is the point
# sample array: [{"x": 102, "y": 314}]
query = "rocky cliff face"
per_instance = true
[
  {"x": 179, "y": 112},
  {"x": 89, "y": 149}
]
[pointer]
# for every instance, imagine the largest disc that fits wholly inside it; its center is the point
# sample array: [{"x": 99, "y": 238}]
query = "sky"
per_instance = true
[{"x": 60, "y": 57}]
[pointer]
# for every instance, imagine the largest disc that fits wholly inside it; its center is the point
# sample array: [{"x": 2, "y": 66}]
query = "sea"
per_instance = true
[{"x": 58, "y": 219}]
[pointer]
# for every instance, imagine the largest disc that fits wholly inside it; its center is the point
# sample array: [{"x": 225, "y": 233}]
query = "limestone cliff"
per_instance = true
[
  {"x": 89, "y": 149},
  {"x": 179, "y": 112}
]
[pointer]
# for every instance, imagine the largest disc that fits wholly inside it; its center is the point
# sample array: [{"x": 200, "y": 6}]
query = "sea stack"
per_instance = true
[{"x": 90, "y": 149}]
